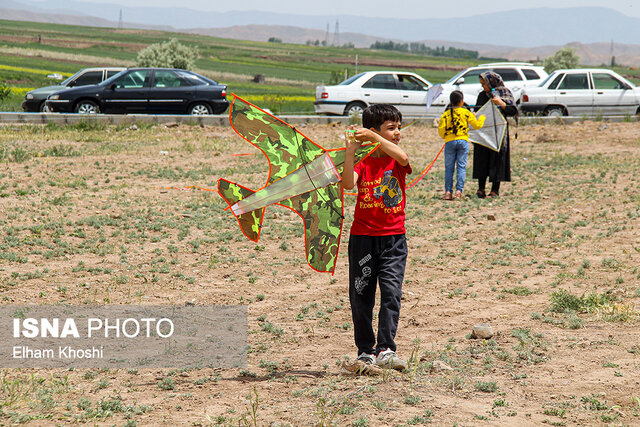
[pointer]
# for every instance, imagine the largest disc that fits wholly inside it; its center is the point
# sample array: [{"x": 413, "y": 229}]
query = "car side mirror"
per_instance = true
[
  {"x": 112, "y": 87},
  {"x": 71, "y": 84},
  {"x": 459, "y": 81}
]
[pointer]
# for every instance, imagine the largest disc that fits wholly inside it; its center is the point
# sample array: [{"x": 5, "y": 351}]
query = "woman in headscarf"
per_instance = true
[{"x": 488, "y": 163}]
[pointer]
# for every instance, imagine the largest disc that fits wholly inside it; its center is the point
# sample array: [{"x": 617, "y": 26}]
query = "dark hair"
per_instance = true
[
  {"x": 455, "y": 98},
  {"x": 375, "y": 115}
]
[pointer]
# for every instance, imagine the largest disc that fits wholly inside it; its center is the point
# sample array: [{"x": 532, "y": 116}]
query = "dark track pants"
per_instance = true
[{"x": 376, "y": 260}]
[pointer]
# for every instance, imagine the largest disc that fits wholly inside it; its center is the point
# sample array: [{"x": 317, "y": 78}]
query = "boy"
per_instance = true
[{"x": 377, "y": 244}]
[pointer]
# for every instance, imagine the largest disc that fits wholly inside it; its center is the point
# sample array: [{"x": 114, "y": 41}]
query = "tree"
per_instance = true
[
  {"x": 171, "y": 54},
  {"x": 563, "y": 58}
]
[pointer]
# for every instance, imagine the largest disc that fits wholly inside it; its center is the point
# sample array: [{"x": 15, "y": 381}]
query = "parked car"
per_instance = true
[
  {"x": 145, "y": 90},
  {"x": 516, "y": 76},
  {"x": 585, "y": 91},
  {"x": 34, "y": 100},
  {"x": 407, "y": 91}
]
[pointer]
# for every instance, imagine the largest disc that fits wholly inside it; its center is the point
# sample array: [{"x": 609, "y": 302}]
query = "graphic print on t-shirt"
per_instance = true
[{"x": 389, "y": 190}]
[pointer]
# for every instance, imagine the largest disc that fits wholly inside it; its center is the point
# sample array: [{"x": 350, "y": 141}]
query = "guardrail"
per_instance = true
[{"x": 223, "y": 120}]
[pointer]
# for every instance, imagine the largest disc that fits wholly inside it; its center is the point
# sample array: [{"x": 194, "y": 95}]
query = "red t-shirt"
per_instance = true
[{"x": 381, "y": 197}]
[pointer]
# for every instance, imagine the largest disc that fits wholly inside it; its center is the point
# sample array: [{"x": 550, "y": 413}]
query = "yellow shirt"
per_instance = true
[{"x": 462, "y": 118}]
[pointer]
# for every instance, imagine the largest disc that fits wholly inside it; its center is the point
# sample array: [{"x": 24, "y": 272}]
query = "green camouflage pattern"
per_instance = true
[
  {"x": 250, "y": 222},
  {"x": 337, "y": 156},
  {"x": 321, "y": 211},
  {"x": 286, "y": 148},
  {"x": 288, "y": 151}
]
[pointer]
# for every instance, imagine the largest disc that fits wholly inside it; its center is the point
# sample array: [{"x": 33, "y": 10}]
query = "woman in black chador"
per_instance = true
[{"x": 486, "y": 162}]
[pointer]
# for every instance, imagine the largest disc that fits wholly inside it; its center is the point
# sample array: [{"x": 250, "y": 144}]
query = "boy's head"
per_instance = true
[
  {"x": 375, "y": 115},
  {"x": 456, "y": 98}
]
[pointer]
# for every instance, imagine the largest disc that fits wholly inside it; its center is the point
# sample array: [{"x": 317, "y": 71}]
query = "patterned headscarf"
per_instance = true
[{"x": 495, "y": 82}]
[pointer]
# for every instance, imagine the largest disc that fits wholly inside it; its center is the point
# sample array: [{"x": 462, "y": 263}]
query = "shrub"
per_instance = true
[
  {"x": 5, "y": 91},
  {"x": 171, "y": 54},
  {"x": 563, "y": 58}
]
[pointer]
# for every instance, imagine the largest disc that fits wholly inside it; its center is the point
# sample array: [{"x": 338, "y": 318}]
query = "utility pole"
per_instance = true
[
  {"x": 356, "y": 64},
  {"x": 612, "y": 60},
  {"x": 336, "y": 34},
  {"x": 326, "y": 36},
  {"x": 120, "y": 20}
]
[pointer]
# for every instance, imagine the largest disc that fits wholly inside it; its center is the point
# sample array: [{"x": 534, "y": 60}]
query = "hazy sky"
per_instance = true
[{"x": 382, "y": 8}]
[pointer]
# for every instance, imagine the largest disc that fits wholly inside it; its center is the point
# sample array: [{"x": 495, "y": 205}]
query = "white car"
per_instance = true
[
  {"x": 582, "y": 92},
  {"x": 407, "y": 91},
  {"x": 516, "y": 76}
]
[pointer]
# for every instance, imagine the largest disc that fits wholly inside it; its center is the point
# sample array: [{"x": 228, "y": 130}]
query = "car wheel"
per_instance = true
[
  {"x": 43, "y": 107},
  {"x": 87, "y": 107},
  {"x": 554, "y": 112},
  {"x": 200, "y": 109},
  {"x": 354, "y": 108}
]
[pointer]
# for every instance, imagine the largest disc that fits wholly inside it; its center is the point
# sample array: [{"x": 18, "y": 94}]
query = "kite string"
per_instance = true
[{"x": 426, "y": 169}]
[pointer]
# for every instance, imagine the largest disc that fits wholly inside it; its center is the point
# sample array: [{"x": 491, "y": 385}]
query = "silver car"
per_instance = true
[{"x": 582, "y": 92}]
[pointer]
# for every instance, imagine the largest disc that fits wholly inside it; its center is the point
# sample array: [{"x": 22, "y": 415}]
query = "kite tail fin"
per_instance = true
[{"x": 250, "y": 222}]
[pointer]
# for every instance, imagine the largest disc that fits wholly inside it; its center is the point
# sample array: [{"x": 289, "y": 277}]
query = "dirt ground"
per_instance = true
[{"x": 552, "y": 265}]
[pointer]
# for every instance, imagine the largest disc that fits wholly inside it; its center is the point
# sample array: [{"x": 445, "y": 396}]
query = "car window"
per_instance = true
[
  {"x": 381, "y": 81},
  {"x": 575, "y": 82},
  {"x": 89, "y": 78},
  {"x": 351, "y": 79},
  {"x": 111, "y": 73},
  {"x": 530, "y": 74},
  {"x": 508, "y": 74},
  {"x": 606, "y": 81},
  {"x": 472, "y": 76},
  {"x": 133, "y": 79},
  {"x": 408, "y": 82},
  {"x": 193, "y": 79},
  {"x": 554, "y": 84},
  {"x": 167, "y": 78}
]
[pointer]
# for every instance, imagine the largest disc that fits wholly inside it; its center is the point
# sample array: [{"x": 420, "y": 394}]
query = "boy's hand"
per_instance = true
[
  {"x": 481, "y": 116},
  {"x": 364, "y": 135},
  {"x": 352, "y": 144}
]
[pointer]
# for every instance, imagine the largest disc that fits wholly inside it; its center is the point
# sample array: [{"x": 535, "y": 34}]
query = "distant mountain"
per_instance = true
[
  {"x": 60, "y": 18},
  {"x": 286, "y": 33},
  {"x": 523, "y": 35},
  {"x": 520, "y": 28}
]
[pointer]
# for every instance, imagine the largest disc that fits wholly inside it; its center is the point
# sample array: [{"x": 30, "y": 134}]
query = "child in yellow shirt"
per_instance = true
[{"x": 454, "y": 128}]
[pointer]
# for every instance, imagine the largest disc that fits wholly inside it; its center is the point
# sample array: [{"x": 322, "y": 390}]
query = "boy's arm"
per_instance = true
[
  {"x": 391, "y": 149},
  {"x": 349, "y": 177}
]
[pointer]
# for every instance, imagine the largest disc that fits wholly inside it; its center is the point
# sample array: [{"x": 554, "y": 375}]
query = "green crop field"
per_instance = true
[{"x": 30, "y": 51}]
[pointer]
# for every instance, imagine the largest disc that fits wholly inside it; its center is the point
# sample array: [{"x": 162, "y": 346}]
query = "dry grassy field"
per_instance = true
[{"x": 553, "y": 266}]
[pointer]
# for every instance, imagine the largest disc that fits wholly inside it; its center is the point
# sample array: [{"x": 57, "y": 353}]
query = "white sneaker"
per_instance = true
[
  {"x": 367, "y": 359},
  {"x": 389, "y": 359}
]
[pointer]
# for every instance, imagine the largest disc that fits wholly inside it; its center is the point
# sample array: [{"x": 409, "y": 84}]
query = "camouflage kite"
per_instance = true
[{"x": 303, "y": 177}]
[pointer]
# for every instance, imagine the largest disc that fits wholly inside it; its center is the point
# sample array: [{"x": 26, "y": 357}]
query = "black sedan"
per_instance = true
[{"x": 145, "y": 90}]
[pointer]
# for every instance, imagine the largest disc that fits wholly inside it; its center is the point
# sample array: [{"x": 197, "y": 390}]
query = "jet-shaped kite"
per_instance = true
[{"x": 303, "y": 177}]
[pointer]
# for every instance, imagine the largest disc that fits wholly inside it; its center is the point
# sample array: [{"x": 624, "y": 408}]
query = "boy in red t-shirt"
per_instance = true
[{"x": 377, "y": 244}]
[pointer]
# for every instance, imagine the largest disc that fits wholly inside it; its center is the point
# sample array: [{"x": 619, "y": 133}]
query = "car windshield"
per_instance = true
[
  {"x": 351, "y": 79},
  {"x": 456, "y": 77},
  {"x": 66, "y": 82},
  {"x": 108, "y": 81},
  {"x": 542, "y": 83}
]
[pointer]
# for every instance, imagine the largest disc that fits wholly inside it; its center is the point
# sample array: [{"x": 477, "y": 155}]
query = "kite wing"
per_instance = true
[
  {"x": 285, "y": 147},
  {"x": 432, "y": 94},
  {"x": 303, "y": 177},
  {"x": 492, "y": 133}
]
